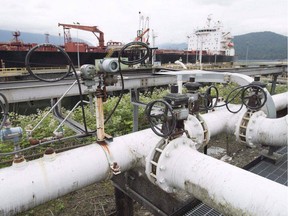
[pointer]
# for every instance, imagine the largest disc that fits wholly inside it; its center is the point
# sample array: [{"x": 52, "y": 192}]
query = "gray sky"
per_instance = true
[{"x": 171, "y": 20}]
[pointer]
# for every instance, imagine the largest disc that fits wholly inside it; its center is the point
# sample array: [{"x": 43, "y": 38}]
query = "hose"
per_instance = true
[
  {"x": 242, "y": 90},
  {"x": 71, "y": 66},
  {"x": 4, "y": 110},
  {"x": 133, "y": 62}
]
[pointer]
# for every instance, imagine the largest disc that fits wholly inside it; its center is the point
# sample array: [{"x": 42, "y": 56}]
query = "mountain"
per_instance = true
[
  {"x": 26, "y": 37},
  {"x": 261, "y": 46}
]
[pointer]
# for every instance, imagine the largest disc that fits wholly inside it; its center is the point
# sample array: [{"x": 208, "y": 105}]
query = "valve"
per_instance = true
[
  {"x": 14, "y": 134},
  {"x": 161, "y": 118},
  {"x": 166, "y": 117},
  {"x": 194, "y": 95},
  {"x": 253, "y": 96}
]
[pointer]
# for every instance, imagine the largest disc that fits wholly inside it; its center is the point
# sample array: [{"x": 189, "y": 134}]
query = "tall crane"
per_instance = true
[{"x": 93, "y": 29}]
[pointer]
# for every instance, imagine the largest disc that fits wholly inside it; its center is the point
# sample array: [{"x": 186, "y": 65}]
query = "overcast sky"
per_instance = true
[{"x": 171, "y": 20}]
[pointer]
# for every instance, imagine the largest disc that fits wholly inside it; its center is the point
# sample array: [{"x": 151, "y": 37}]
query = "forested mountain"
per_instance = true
[{"x": 261, "y": 45}]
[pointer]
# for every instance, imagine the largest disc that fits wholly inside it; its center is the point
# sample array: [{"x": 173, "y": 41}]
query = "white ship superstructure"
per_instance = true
[{"x": 212, "y": 39}]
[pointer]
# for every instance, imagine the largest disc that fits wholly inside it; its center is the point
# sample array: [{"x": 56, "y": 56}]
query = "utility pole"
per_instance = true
[{"x": 78, "y": 56}]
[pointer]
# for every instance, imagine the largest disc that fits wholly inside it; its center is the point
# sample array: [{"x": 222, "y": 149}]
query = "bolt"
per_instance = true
[
  {"x": 49, "y": 151},
  {"x": 162, "y": 181},
  {"x": 175, "y": 145},
  {"x": 167, "y": 154},
  {"x": 162, "y": 168},
  {"x": 18, "y": 158}
]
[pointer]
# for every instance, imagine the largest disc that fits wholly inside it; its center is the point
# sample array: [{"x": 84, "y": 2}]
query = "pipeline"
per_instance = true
[
  {"x": 280, "y": 101},
  {"x": 55, "y": 175},
  {"x": 180, "y": 166},
  {"x": 221, "y": 121},
  {"x": 266, "y": 131},
  {"x": 229, "y": 189},
  {"x": 28, "y": 184}
]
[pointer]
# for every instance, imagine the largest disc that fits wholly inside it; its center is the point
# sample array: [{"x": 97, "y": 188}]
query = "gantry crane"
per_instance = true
[{"x": 93, "y": 29}]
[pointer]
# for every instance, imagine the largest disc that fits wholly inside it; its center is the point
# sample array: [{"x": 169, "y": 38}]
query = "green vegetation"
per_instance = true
[{"x": 120, "y": 123}]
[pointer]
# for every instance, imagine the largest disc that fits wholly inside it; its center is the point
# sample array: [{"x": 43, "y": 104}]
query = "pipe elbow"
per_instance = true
[{"x": 265, "y": 131}]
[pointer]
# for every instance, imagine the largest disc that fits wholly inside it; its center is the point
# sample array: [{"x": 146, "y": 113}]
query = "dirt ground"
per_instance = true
[{"x": 98, "y": 199}]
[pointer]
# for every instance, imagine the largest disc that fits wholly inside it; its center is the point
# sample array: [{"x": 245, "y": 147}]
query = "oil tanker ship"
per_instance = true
[{"x": 210, "y": 44}]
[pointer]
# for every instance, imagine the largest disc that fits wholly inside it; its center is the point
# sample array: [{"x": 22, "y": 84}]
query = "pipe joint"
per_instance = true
[
  {"x": 158, "y": 167},
  {"x": 198, "y": 130}
]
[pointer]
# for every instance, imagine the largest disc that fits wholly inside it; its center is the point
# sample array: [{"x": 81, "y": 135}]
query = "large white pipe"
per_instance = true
[
  {"x": 28, "y": 184},
  {"x": 266, "y": 131},
  {"x": 280, "y": 101},
  {"x": 230, "y": 190},
  {"x": 221, "y": 120},
  {"x": 47, "y": 178}
]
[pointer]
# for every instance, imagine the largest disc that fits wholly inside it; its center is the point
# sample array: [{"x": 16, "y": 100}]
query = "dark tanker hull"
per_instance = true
[
  {"x": 56, "y": 59},
  {"x": 47, "y": 59}
]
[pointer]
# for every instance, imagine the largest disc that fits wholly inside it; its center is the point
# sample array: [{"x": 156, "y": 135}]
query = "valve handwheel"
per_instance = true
[
  {"x": 254, "y": 97},
  {"x": 161, "y": 118},
  {"x": 210, "y": 94}
]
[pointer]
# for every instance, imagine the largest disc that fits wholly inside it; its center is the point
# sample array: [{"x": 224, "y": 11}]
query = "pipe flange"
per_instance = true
[
  {"x": 200, "y": 133},
  {"x": 155, "y": 168},
  {"x": 206, "y": 132},
  {"x": 242, "y": 130},
  {"x": 152, "y": 160}
]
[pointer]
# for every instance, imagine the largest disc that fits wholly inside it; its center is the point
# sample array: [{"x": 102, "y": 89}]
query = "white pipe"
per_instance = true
[
  {"x": 230, "y": 190},
  {"x": 266, "y": 131},
  {"x": 221, "y": 120},
  {"x": 28, "y": 184},
  {"x": 181, "y": 64},
  {"x": 280, "y": 101},
  {"x": 52, "y": 176}
]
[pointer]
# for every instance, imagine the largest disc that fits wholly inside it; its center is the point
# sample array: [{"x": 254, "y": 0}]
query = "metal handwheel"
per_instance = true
[
  {"x": 161, "y": 118},
  {"x": 254, "y": 97}
]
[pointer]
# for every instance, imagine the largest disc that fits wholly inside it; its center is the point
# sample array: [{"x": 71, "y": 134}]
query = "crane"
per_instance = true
[
  {"x": 93, "y": 29},
  {"x": 140, "y": 37}
]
